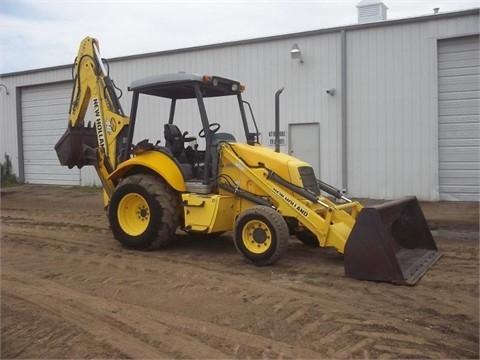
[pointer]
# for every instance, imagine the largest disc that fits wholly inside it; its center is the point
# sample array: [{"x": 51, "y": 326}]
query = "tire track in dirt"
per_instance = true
[
  {"x": 197, "y": 280},
  {"x": 23, "y": 321},
  {"x": 82, "y": 279},
  {"x": 201, "y": 293},
  {"x": 285, "y": 304},
  {"x": 88, "y": 319},
  {"x": 115, "y": 322},
  {"x": 53, "y": 225}
]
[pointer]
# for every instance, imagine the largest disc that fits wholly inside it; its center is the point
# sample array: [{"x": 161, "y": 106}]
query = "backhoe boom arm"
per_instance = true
[{"x": 102, "y": 145}]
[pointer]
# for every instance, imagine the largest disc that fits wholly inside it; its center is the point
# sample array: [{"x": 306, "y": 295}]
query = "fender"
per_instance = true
[{"x": 160, "y": 163}]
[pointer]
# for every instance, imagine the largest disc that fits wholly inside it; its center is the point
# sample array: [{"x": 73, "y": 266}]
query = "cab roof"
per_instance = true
[{"x": 182, "y": 86}]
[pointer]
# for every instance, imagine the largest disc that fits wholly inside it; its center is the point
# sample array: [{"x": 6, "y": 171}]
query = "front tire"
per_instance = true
[
  {"x": 144, "y": 212},
  {"x": 261, "y": 235}
]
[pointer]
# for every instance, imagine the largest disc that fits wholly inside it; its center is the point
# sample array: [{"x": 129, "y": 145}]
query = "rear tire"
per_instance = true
[
  {"x": 144, "y": 212},
  {"x": 261, "y": 235}
]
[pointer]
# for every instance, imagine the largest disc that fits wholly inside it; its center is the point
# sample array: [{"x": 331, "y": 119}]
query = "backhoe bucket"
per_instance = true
[
  {"x": 71, "y": 146},
  {"x": 391, "y": 242}
]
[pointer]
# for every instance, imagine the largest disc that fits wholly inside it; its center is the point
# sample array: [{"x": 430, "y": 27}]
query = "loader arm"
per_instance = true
[
  {"x": 102, "y": 144},
  {"x": 387, "y": 242},
  {"x": 330, "y": 223}
]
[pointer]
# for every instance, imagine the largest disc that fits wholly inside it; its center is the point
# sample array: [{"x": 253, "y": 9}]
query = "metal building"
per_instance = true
[{"x": 382, "y": 110}]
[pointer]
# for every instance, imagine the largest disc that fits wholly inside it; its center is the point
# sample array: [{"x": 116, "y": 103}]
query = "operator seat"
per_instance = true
[{"x": 173, "y": 140}]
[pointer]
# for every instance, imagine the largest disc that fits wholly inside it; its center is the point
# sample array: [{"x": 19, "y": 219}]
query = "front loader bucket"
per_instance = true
[
  {"x": 391, "y": 242},
  {"x": 71, "y": 146}
]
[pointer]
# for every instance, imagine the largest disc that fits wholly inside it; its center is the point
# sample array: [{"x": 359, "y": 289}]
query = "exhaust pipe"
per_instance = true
[{"x": 277, "y": 119}]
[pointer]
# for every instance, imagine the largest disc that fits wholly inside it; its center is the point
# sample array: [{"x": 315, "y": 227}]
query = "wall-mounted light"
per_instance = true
[
  {"x": 6, "y": 90},
  {"x": 295, "y": 53},
  {"x": 331, "y": 92}
]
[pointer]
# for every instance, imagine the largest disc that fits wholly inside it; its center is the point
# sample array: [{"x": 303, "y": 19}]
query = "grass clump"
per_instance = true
[{"x": 7, "y": 177}]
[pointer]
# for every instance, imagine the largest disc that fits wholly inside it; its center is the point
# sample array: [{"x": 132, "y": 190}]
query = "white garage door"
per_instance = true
[
  {"x": 44, "y": 120},
  {"x": 459, "y": 118}
]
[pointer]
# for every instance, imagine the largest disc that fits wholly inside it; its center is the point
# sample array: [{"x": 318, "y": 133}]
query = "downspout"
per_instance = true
[
  {"x": 21, "y": 159},
  {"x": 343, "y": 75}
]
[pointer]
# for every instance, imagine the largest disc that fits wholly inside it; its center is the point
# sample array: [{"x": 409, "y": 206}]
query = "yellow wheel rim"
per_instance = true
[
  {"x": 256, "y": 236},
  {"x": 133, "y": 214}
]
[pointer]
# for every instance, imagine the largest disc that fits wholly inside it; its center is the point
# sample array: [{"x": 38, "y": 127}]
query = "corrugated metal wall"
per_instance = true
[
  {"x": 391, "y": 94},
  {"x": 11, "y": 109},
  {"x": 392, "y": 107},
  {"x": 44, "y": 110},
  {"x": 263, "y": 68}
]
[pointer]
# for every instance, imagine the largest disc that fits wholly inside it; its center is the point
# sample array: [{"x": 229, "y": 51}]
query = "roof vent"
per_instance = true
[{"x": 371, "y": 11}]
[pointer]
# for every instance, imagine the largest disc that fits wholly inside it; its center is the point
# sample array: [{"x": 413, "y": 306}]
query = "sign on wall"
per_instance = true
[{"x": 282, "y": 137}]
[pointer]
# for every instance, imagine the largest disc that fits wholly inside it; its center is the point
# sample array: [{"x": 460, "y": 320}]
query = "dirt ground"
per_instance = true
[{"x": 69, "y": 290}]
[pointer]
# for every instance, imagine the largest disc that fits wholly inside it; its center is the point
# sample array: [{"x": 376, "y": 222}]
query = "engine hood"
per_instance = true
[{"x": 284, "y": 165}]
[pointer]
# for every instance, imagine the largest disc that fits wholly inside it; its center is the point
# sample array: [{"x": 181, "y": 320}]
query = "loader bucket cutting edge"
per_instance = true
[
  {"x": 391, "y": 242},
  {"x": 70, "y": 147}
]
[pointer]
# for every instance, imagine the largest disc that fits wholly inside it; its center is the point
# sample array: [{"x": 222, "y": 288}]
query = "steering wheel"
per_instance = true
[{"x": 212, "y": 128}]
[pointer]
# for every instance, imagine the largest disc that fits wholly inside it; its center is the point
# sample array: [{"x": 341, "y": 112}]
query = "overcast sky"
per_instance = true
[{"x": 37, "y": 34}]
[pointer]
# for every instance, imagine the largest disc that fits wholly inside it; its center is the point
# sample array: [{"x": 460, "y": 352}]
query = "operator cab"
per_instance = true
[{"x": 197, "y": 163}]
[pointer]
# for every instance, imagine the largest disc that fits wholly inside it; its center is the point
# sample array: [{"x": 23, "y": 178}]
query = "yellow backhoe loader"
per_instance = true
[{"x": 262, "y": 195}]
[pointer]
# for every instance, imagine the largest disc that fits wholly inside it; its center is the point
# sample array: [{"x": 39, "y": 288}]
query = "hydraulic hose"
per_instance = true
[{"x": 245, "y": 194}]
